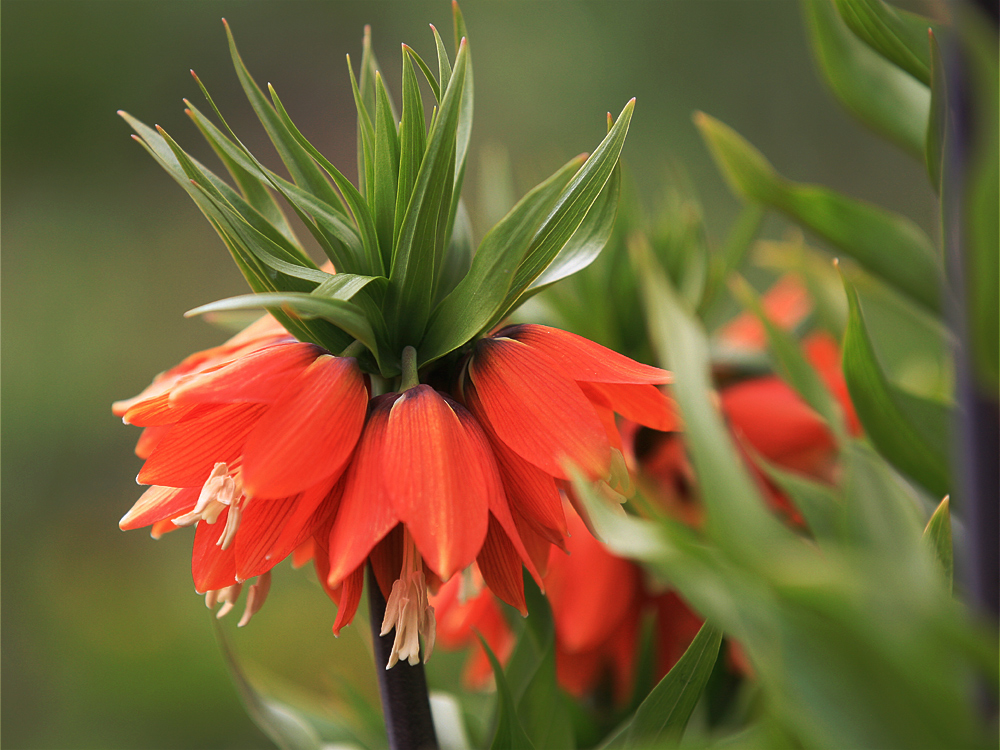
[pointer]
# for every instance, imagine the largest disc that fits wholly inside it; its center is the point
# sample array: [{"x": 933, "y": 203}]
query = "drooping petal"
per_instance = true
[
  {"x": 350, "y": 596},
  {"x": 159, "y": 411},
  {"x": 538, "y": 412},
  {"x": 158, "y": 503},
  {"x": 309, "y": 433},
  {"x": 591, "y": 590},
  {"x": 500, "y": 564},
  {"x": 645, "y": 404},
  {"x": 186, "y": 455},
  {"x": 582, "y": 359},
  {"x": 149, "y": 439},
  {"x": 443, "y": 502},
  {"x": 259, "y": 377},
  {"x": 271, "y": 528},
  {"x": 530, "y": 491},
  {"x": 212, "y": 567},
  {"x": 366, "y": 513}
]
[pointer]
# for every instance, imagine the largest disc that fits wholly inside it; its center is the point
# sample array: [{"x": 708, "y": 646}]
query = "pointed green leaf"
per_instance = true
[
  {"x": 898, "y": 36},
  {"x": 791, "y": 362},
  {"x": 890, "y": 246},
  {"x": 912, "y": 432},
  {"x": 542, "y": 708},
  {"x": 444, "y": 63},
  {"x": 354, "y": 199},
  {"x": 937, "y": 123},
  {"x": 458, "y": 257},
  {"x": 888, "y": 100},
  {"x": 572, "y": 209},
  {"x": 386, "y": 170},
  {"x": 328, "y": 224},
  {"x": 436, "y": 88},
  {"x": 468, "y": 309},
  {"x": 412, "y": 141},
  {"x": 304, "y": 172},
  {"x": 737, "y": 243},
  {"x": 664, "y": 714},
  {"x": 422, "y": 236},
  {"x": 344, "y": 286},
  {"x": 509, "y": 732},
  {"x": 366, "y": 138},
  {"x": 937, "y": 534},
  {"x": 341, "y": 313}
]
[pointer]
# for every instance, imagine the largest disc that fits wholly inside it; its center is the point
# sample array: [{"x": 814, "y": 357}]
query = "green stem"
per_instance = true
[
  {"x": 410, "y": 377},
  {"x": 354, "y": 349}
]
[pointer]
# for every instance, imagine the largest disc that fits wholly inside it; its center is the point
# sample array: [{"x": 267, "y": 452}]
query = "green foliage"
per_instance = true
[
  {"x": 898, "y": 36},
  {"x": 938, "y": 535}
]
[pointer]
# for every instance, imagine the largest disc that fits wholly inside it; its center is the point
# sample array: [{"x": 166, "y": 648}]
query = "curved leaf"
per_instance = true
[
  {"x": 509, "y": 732},
  {"x": 937, "y": 534},
  {"x": 885, "y": 98},
  {"x": 910, "y": 431},
  {"x": 898, "y": 36},
  {"x": 889, "y": 245}
]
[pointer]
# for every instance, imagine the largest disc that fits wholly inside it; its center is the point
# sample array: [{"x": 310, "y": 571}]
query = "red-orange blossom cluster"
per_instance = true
[{"x": 272, "y": 446}]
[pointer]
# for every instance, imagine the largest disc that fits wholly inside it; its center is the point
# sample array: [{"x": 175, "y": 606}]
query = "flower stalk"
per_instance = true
[{"x": 405, "y": 702}]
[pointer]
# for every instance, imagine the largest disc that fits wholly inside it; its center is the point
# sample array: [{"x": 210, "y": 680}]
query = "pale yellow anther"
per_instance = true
[
  {"x": 256, "y": 597},
  {"x": 219, "y": 492},
  {"x": 408, "y": 610}
]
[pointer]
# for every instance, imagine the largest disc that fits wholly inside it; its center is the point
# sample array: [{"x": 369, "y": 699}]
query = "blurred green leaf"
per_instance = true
[
  {"x": 817, "y": 502},
  {"x": 664, "y": 714},
  {"x": 937, "y": 122},
  {"x": 885, "y": 98},
  {"x": 911, "y": 431},
  {"x": 790, "y": 360},
  {"x": 542, "y": 707},
  {"x": 413, "y": 272},
  {"x": 937, "y": 534},
  {"x": 898, "y": 36},
  {"x": 282, "y": 724},
  {"x": 890, "y": 246},
  {"x": 475, "y": 300},
  {"x": 737, "y": 243},
  {"x": 509, "y": 732}
]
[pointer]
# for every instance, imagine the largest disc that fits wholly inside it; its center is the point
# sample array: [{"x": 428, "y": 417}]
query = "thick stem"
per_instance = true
[
  {"x": 354, "y": 349},
  {"x": 405, "y": 703},
  {"x": 410, "y": 377}
]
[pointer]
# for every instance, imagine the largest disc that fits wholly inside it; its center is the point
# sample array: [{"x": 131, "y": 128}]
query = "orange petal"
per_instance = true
[
  {"x": 309, "y": 433},
  {"x": 387, "y": 559},
  {"x": 645, "y": 404},
  {"x": 186, "y": 455},
  {"x": 786, "y": 304},
  {"x": 258, "y": 377},
  {"x": 212, "y": 567},
  {"x": 538, "y": 412},
  {"x": 366, "y": 513},
  {"x": 271, "y": 528},
  {"x": 303, "y": 553},
  {"x": 350, "y": 595},
  {"x": 158, "y": 503},
  {"x": 149, "y": 438},
  {"x": 824, "y": 354},
  {"x": 676, "y": 627},
  {"x": 500, "y": 565},
  {"x": 582, "y": 359},
  {"x": 530, "y": 491},
  {"x": 159, "y": 411},
  {"x": 432, "y": 477}
]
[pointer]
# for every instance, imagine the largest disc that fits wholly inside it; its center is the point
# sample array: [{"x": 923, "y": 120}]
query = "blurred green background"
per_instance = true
[{"x": 104, "y": 643}]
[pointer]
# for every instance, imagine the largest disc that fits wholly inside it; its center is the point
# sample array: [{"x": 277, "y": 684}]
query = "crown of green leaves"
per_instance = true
[{"x": 400, "y": 241}]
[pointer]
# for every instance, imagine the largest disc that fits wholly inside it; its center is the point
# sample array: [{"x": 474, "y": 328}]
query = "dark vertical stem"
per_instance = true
[{"x": 405, "y": 703}]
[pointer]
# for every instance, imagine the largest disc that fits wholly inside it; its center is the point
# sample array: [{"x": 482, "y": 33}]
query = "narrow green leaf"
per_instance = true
[
  {"x": 509, "y": 732},
  {"x": 328, "y": 224},
  {"x": 386, "y": 170},
  {"x": 413, "y": 271},
  {"x": 282, "y": 724},
  {"x": 888, "y": 100},
  {"x": 588, "y": 240},
  {"x": 366, "y": 137},
  {"x": 937, "y": 122},
  {"x": 791, "y": 362},
  {"x": 817, "y": 502},
  {"x": 663, "y": 716},
  {"x": 458, "y": 256},
  {"x": 354, "y": 199},
  {"x": 898, "y": 36},
  {"x": 341, "y": 313},
  {"x": 304, "y": 172},
  {"x": 458, "y": 20},
  {"x": 412, "y": 142},
  {"x": 737, "y": 243},
  {"x": 436, "y": 88},
  {"x": 344, "y": 286},
  {"x": 736, "y": 513},
  {"x": 542, "y": 708},
  {"x": 572, "y": 209},
  {"x": 937, "y": 534},
  {"x": 912, "y": 432},
  {"x": 468, "y": 309},
  {"x": 890, "y": 246},
  {"x": 444, "y": 64}
]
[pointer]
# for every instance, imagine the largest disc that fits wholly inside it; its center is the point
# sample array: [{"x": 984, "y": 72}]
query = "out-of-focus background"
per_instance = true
[{"x": 104, "y": 643}]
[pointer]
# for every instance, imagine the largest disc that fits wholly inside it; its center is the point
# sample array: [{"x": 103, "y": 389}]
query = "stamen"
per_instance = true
[
  {"x": 219, "y": 491},
  {"x": 232, "y": 524},
  {"x": 227, "y": 596},
  {"x": 408, "y": 610},
  {"x": 256, "y": 597}
]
